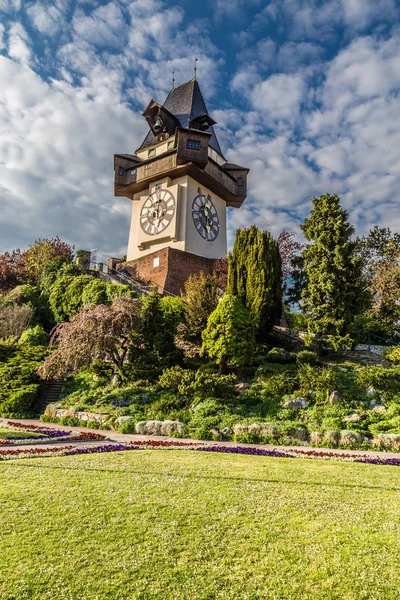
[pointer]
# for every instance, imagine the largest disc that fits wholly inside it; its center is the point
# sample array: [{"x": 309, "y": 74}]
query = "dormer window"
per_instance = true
[
  {"x": 170, "y": 145},
  {"x": 121, "y": 171},
  {"x": 240, "y": 181},
  {"x": 151, "y": 153},
  {"x": 193, "y": 145}
]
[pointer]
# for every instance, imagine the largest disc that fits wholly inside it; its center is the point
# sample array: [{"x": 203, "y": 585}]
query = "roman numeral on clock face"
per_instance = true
[
  {"x": 205, "y": 217},
  {"x": 157, "y": 212}
]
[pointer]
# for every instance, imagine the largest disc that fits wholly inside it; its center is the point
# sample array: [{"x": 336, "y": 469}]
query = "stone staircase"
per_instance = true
[{"x": 49, "y": 393}]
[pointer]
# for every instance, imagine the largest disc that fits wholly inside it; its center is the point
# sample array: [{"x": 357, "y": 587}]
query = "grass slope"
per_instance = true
[
  {"x": 186, "y": 525},
  {"x": 9, "y": 434}
]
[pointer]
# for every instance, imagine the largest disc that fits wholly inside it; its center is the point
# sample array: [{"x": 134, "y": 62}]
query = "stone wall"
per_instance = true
[
  {"x": 53, "y": 411},
  {"x": 169, "y": 268}
]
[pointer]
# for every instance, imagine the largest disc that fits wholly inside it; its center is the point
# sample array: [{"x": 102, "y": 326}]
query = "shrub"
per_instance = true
[
  {"x": 70, "y": 421},
  {"x": 208, "y": 384},
  {"x": 306, "y": 357},
  {"x": 320, "y": 380},
  {"x": 173, "y": 377},
  {"x": 20, "y": 400},
  {"x": 277, "y": 386},
  {"x": 280, "y": 355},
  {"x": 14, "y": 320},
  {"x": 34, "y": 336},
  {"x": 393, "y": 355},
  {"x": 202, "y": 433},
  {"x": 128, "y": 427},
  {"x": 384, "y": 379}
]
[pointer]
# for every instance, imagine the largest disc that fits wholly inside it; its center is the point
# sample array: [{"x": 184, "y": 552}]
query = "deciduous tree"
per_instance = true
[{"x": 103, "y": 333}]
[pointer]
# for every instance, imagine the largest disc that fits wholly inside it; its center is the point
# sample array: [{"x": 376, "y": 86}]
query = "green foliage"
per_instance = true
[
  {"x": 71, "y": 291},
  {"x": 319, "y": 380},
  {"x": 199, "y": 300},
  {"x": 59, "y": 265},
  {"x": 306, "y": 357},
  {"x": 255, "y": 277},
  {"x": 393, "y": 355},
  {"x": 280, "y": 355},
  {"x": 94, "y": 292},
  {"x": 333, "y": 293},
  {"x": 116, "y": 290},
  {"x": 229, "y": 335},
  {"x": 173, "y": 377},
  {"x": 384, "y": 379},
  {"x": 277, "y": 386},
  {"x": 172, "y": 311},
  {"x": 208, "y": 384},
  {"x": 19, "y": 383},
  {"x": 34, "y": 336},
  {"x": 154, "y": 347},
  {"x": 198, "y": 384}
]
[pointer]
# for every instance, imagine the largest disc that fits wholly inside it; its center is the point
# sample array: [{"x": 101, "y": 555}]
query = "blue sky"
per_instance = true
[{"x": 305, "y": 93}]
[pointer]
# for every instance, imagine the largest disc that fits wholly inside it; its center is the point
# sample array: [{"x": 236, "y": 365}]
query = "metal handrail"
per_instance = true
[
  {"x": 137, "y": 284},
  {"x": 388, "y": 341}
]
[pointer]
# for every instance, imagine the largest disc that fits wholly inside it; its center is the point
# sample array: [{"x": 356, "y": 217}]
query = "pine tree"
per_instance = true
[
  {"x": 255, "y": 277},
  {"x": 229, "y": 335},
  {"x": 334, "y": 293}
]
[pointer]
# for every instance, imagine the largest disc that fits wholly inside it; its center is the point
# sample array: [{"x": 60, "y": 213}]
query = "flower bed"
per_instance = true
[
  {"x": 154, "y": 444},
  {"x": 48, "y": 434}
]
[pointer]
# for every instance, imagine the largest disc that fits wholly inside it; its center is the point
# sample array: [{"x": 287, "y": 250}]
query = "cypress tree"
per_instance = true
[
  {"x": 255, "y": 277},
  {"x": 333, "y": 294}
]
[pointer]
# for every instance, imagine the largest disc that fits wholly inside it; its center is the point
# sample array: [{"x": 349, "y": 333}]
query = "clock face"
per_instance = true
[
  {"x": 205, "y": 217},
  {"x": 157, "y": 212}
]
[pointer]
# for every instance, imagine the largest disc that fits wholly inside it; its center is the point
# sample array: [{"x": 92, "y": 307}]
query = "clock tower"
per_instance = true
[{"x": 180, "y": 186}]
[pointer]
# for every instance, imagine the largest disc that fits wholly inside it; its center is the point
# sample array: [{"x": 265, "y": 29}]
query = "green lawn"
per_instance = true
[
  {"x": 9, "y": 434},
  {"x": 181, "y": 525}
]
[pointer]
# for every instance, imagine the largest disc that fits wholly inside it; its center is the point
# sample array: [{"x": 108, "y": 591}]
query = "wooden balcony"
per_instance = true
[{"x": 133, "y": 178}]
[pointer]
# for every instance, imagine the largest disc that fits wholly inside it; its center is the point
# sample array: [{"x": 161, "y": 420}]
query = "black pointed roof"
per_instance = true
[{"x": 186, "y": 103}]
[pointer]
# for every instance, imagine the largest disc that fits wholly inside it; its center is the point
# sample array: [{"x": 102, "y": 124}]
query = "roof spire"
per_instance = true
[
  {"x": 173, "y": 80},
  {"x": 195, "y": 68}
]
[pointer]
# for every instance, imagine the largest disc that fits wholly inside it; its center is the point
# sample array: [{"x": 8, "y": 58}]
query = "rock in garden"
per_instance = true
[
  {"x": 296, "y": 403},
  {"x": 227, "y": 431},
  {"x": 335, "y": 398},
  {"x": 242, "y": 387},
  {"x": 116, "y": 379},
  {"x": 354, "y": 418},
  {"x": 382, "y": 410}
]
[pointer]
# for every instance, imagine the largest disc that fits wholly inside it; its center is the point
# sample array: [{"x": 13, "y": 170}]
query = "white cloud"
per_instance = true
[
  {"x": 56, "y": 150},
  {"x": 347, "y": 143},
  {"x": 279, "y": 97},
  {"x": 10, "y": 5},
  {"x": 2, "y": 29},
  {"x": 18, "y": 47},
  {"x": 359, "y": 14},
  {"x": 47, "y": 19},
  {"x": 104, "y": 26}
]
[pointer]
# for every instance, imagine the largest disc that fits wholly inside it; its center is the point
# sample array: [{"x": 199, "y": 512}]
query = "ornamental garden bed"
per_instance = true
[{"x": 19, "y": 433}]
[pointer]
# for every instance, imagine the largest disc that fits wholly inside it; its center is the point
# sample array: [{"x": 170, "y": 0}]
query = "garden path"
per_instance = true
[{"x": 114, "y": 437}]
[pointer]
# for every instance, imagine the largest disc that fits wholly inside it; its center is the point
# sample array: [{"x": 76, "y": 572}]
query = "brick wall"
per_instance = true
[{"x": 169, "y": 268}]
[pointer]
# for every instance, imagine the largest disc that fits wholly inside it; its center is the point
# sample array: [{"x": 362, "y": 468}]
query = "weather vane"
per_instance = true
[
  {"x": 173, "y": 80},
  {"x": 195, "y": 68}
]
